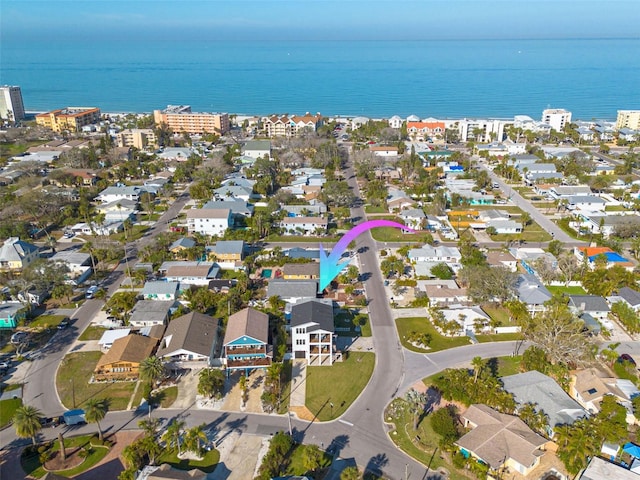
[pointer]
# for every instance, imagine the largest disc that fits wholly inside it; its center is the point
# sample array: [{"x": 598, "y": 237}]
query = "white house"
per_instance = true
[
  {"x": 207, "y": 221},
  {"x": 468, "y": 318},
  {"x": 257, "y": 149},
  {"x": 114, "y": 193},
  {"x": 110, "y": 336},
  {"x": 384, "y": 151},
  {"x": 586, "y": 202},
  {"x": 160, "y": 291},
  {"x": 312, "y": 332},
  {"x": 414, "y": 218},
  {"x": 435, "y": 254},
  {"x": 304, "y": 225},
  {"x": 189, "y": 273},
  {"x": 395, "y": 122}
]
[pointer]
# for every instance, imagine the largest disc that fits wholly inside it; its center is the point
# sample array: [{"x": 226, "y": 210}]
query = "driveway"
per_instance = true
[
  {"x": 239, "y": 456},
  {"x": 187, "y": 390}
]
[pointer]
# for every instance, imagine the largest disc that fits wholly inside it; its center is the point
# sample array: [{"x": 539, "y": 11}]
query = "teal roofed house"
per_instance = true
[
  {"x": 246, "y": 341},
  {"x": 10, "y": 314}
]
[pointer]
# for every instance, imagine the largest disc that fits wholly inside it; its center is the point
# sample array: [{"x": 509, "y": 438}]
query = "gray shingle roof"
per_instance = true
[
  {"x": 631, "y": 296},
  {"x": 194, "y": 332},
  {"x": 541, "y": 390},
  {"x": 531, "y": 291},
  {"x": 589, "y": 303},
  {"x": 228, "y": 247},
  {"x": 249, "y": 322},
  {"x": 313, "y": 311},
  {"x": 160, "y": 288},
  {"x": 292, "y": 288}
]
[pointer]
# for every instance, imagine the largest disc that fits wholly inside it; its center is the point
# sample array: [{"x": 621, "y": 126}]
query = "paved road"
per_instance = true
[{"x": 526, "y": 206}]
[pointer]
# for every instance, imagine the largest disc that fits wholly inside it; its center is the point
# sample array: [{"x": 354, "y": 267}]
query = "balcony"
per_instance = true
[
  {"x": 325, "y": 350},
  {"x": 261, "y": 350},
  {"x": 315, "y": 338},
  {"x": 249, "y": 363}
]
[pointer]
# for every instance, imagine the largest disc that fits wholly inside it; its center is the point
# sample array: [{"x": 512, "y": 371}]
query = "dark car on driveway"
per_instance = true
[{"x": 625, "y": 357}]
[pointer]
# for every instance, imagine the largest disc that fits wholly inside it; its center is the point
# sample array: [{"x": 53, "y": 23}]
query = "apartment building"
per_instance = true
[
  {"x": 139, "y": 138},
  {"x": 290, "y": 126},
  {"x": 180, "y": 118},
  {"x": 208, "y": 222},
  {"x": 627, "y": 119},
  {"x": 69, "y": 118},
  {"x": 424, "y": 130},
  {"x": 556, "y": 118},
  {"x": 11, "y": 106},
  {"x": 481, "y": 130}
]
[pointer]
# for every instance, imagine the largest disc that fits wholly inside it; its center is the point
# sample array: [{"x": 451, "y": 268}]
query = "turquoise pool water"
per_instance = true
[{"x": 266, "y": 273}]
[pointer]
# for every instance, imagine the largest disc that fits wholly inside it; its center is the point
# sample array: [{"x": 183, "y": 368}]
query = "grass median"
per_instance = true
[{"x": 423, "y": 325}]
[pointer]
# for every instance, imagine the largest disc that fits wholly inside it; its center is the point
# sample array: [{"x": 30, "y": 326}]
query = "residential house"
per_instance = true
[
  {"x": 505, "y": 226},
  {"x": 413, "y": 218},
  {"x": 230, "y": 192},
  {"x": 605, "y": 223},
  {"x": 500, "y": 440},
  {"x": 594, "y": 253},
  {"x": 296, "y": 253},
  {"x": 599, "y": 469},
  {"x": 465, "y": 188},
  {"x": 529, "y": 256},
  {"x": 304, "y": 226},
  {"x": 189, "y": 273},
  {"x": 194, "y": 337},
  {"x": 15, "y": 254},
  {"x": 257, "y": 149},
  {"x": 160, "y": 291},
  {"x": 629, "y": 296},
  {"x": 383, "y": 151},
  {"x": 10, "y": 314},
  {"x": 110, "y": 336},
  {"x": 103, "y": 230},
  {"x": 147, "y": 313},
  {"x": 546, "y": 395},
  {"x": 312, "y": 332},
  {"x": 427, "y": 253},
  {"x": 395, "y": 122},
  {"x": 207, "y": 221},
  {"x": 532, "y": 292},
  {"x": 78, "y": 263},
  {"x": 167, "y": 472},
  {"x": 387, "y": 174},
  {"x": 594, "y": 305},
  {"x": 239, "y": 208},
  {"x": 471, "y": 319},
  {"x": 115, "y": 193},
  {"x": 566, "y": 191},
  {"x": 228, "y": 254},
  {"x": 178, "y": 154},
  {"x": 220, "y": 285},
  {"x": 398, "y": 200},
  {"x": 246, "y": 341},
  {"x": 122, "y": 361},
  {"x": 317, "y": 209},
  {"x": 118, "y": 210},
  {"x": 443, "y": 292},
  {"x": 182, "y": 244},
  {"x": 589, "y": 386},
  {"x": 422, "y": 131},
  {"x": 292, "y": 290},
  {"x": 590, "y": 203},
  {"x": 301, "y": 271},
  {"x": 497, "y": 258}
]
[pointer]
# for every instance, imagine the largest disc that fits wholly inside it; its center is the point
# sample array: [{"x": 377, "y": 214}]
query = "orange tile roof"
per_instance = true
[
  {"x": 591, "y": 251},
  {"x": 427, "y": 125}
]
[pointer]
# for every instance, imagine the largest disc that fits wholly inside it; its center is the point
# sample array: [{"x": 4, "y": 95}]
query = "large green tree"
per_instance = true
[
  {"x": 211, "y": 382},
  {"x": 95, "y": 410}
]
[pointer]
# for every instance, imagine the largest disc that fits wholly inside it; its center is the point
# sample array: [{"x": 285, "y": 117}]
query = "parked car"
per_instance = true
[
  {"x": 18, "y": 338},
  {"x": 64, "y": 323},
  {"x": 625, "y": 357},
  {"x": 91, "y": 292}
]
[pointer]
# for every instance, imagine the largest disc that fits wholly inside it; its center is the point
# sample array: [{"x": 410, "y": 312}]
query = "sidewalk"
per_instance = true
[{"x": 298, "y": 398}]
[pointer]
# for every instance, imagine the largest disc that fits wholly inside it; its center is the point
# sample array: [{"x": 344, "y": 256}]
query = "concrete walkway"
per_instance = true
[
  {"x": 187, "y": 390},
  {"x": 238, "y": 456},
  {"x": 409, "y": 312}
]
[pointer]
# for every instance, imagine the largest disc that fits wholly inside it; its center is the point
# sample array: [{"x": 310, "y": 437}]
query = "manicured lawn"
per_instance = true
[
  {"x": 7, "y": 409},
  {"x": 532, "y": 233},
  {"x": 577, "y": 290},
  {"x": 168, "y": 396},
  {"x": 423, "y": 325},
  {"x": 372, "y": 209},
  {"x": 296, "y": 459},
  {"x": 32, "y": 466},
  {"x": 497, "y": 313},
  {"x": 46, "y": 321},
  {"x": 92, "y": 332},
  {"x": 73, "y": 380},
  {"x": 615, "y": 208},
  {"x": 207, "y": 464},
  {"x": 502, "y": 337},
  {"x": 347, "y": 318},
  {"x": 346, "y": 380},
  {"x": 422, "y": 443},
  {"x": 509, "y": 365}
]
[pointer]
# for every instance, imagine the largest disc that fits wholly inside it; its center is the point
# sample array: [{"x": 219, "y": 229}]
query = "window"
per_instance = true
[{"x": 301, "y": 341}]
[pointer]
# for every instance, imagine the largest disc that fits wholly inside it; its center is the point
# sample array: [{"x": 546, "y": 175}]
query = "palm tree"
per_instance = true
[
  {"x": 350, "y": 473},
  {"x": 152, "y": 369},
  {"x": 95, "y": 410},
  {"x": 478, "y": 365},
  {"x": 149, "y": 426},
  {"x": 26, "y": 420},
  {"x": 172, "y": 435},
  {"x": 193, "y": 437},
  {"x": 210, "y": 382}
]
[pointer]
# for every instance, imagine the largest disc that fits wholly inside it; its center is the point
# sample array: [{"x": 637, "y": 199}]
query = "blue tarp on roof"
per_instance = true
[{"x": 632, "y": 449}]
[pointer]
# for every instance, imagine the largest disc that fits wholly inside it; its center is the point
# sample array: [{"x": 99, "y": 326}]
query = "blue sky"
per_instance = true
[{"x": 318, "y": 20}]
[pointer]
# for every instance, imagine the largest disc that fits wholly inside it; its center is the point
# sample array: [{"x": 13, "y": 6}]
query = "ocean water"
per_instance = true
[{"x": 447, "y": 79}]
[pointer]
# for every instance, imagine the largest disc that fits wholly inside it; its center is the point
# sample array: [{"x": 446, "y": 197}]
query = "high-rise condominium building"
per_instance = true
[
  {"x": 137, "y": 137},
  {"x": 628, "y": 119},
  {"x": 557, "y": 118},
  {"x": 70, "y": 118},
  {"x": 11, "y": 106},
  {"x": 180, "y": 118}
]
